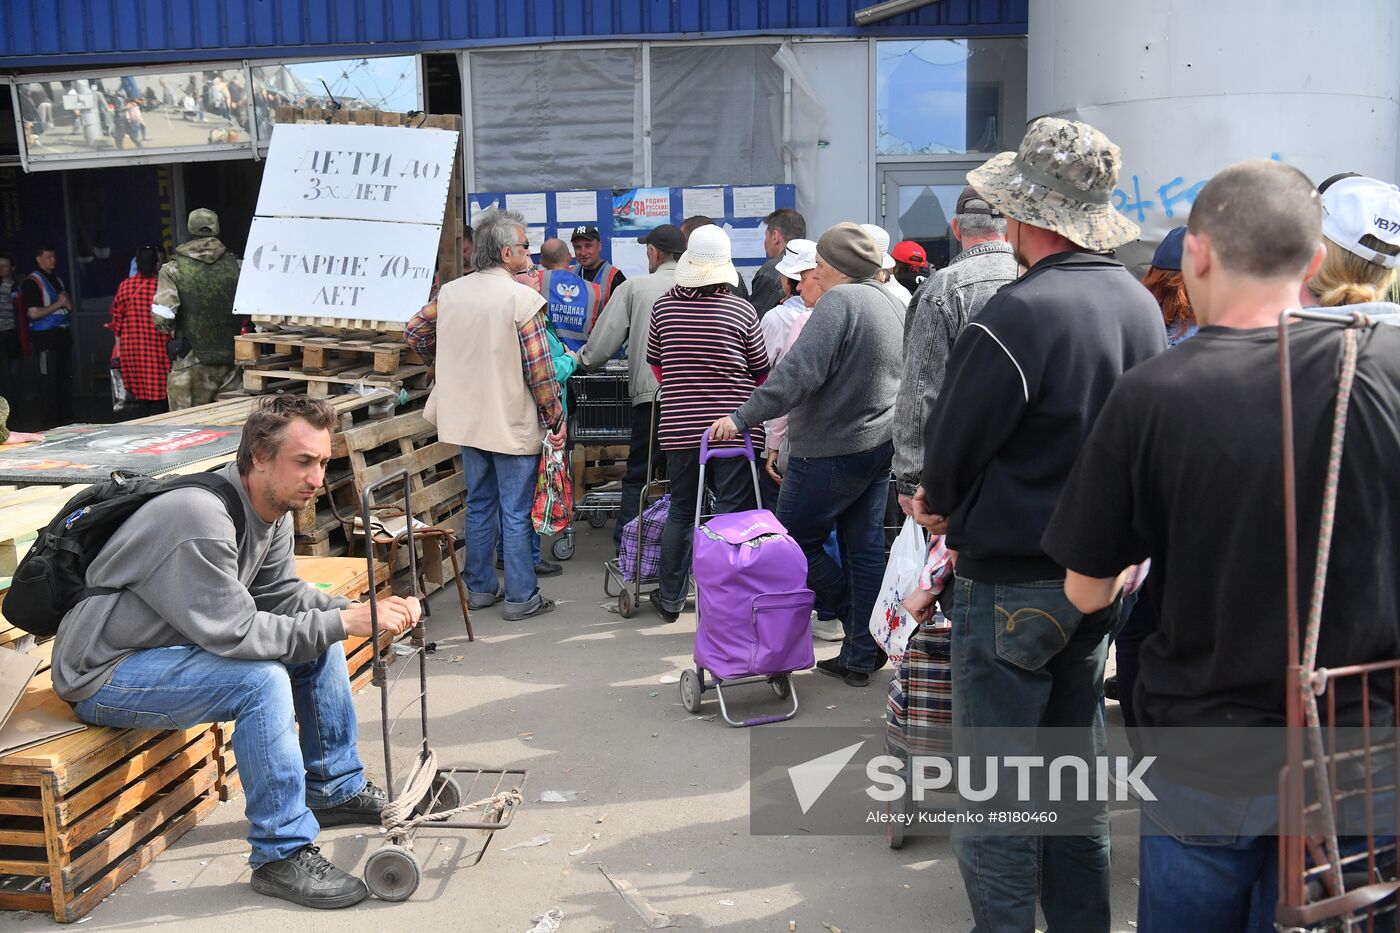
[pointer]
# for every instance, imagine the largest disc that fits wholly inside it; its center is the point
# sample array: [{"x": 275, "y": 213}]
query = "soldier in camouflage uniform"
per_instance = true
[{"x": 194, "y": 303}]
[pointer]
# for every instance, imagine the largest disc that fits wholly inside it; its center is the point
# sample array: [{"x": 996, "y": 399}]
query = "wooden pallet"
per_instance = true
[
  {"x": 26, "y": 510},
  {"x": 449, "y": 262},
  {"x": 597, "y": 465},
  {"x": 316, "y": 353},
  {"x": 262, "y": 380},
  {"x": 81, "y": 814}
]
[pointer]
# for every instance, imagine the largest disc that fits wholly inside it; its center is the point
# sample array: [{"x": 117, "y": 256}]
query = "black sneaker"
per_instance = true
[
  {"x": 545, "y": 569},
  {"x": 362, "y": 809},
  {"x": 666, "y": 614},
  {"x": 832, "y": 667},
  {"x": 309, "y": 879}
]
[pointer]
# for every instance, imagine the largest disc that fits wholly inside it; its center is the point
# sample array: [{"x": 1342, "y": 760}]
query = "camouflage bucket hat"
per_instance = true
[{"x": 1062, "y": 179}]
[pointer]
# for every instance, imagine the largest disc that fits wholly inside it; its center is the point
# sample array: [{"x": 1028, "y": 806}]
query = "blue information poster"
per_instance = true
[{"x": 623, "y": 214}]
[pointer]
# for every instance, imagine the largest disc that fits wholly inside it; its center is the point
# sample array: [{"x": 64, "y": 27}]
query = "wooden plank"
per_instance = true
[
  {"x": 18, "y": 900},
  {"x": 161, "y": 811},
  {"x": 29, "y": 838},
  {"x": 415, "y": 462},
  {"x": 81, "y": 905},
  {"x": 25, "y": 867},
  {"x": 370, "y": 435}
]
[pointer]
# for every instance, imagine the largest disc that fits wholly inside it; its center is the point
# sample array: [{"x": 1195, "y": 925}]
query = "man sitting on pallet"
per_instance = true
[{"x": 195, "y": 617}]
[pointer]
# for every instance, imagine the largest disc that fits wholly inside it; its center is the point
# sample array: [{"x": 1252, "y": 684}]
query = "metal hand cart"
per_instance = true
[
  {"x": 601, "y": 410},
  {"x": 1324, "y": 884},
  {"x": 429, "y": 795},
  {"x": 629, "y": 594}
]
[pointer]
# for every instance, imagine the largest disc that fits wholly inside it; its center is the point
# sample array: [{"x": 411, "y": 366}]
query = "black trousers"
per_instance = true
[
  {"x": 54, "y": 349},
  {"x": 636, "y": 479}
]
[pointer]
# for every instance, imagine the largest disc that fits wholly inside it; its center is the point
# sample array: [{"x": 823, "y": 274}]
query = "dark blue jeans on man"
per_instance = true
[
  {"x": 1226, "y": 880},
  {"x": 732, "y": 482},
  {"x": 848, "y": 492},
  {"x": 500, "y": 491},
  {"x": 294, "y": 737},
  {"x": 1024, "y": 659}
]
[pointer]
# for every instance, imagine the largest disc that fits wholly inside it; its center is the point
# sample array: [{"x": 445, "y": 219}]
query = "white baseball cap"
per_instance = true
[
  {"x": 1362, "y": 216},
  {"x": 798, "y": 257},
  {"x": 882, "y": 242},
  {"x": 707, "y": 259}
]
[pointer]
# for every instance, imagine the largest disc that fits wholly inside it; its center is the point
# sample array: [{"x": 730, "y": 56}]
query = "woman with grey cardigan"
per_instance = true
[{"x": 837, "y": 386}]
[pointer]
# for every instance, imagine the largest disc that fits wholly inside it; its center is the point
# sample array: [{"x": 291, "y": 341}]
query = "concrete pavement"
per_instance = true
[{"x": 661, "y": 800}]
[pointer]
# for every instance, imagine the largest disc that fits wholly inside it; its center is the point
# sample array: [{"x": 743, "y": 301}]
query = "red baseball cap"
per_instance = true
[{"x": 909, "y": 253}]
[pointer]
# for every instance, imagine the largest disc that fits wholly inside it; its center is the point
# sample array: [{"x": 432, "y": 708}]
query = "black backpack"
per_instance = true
[{"x": 52, "y": 578}]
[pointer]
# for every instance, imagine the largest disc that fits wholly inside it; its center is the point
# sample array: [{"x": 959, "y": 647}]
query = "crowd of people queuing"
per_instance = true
[{"x": 1023, "y": 405}]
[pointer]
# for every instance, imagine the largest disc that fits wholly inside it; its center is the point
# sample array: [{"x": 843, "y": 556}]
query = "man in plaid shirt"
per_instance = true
[
  {"x": 141, "y": 349},
  {"x": 497, "y": 397}
]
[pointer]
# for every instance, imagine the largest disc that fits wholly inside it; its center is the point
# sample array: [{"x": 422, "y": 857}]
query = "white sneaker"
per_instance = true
[{"x": 828, "y": 631}]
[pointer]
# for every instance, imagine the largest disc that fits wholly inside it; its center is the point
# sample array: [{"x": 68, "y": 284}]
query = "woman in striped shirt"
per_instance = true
[{"x": 705, "y": 348}]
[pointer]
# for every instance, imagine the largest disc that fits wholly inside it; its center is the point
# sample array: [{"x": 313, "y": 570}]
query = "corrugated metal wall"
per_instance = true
[{"x": 43, "y": 34}]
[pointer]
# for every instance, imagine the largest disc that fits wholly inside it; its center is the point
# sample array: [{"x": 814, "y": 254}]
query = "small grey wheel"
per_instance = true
[
  {"x": 597, "y": 519},
  {"x": 563, "y": 547},
  {"x": 392, "y": 873},
  {"x": 781, "y": 686},
  {"x": 690, "y": 691},
  {"x": 625, "y": 607},
  {"x": 445, "y": 795}
]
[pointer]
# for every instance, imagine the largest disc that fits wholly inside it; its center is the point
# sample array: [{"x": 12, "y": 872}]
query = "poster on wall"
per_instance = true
[
  {"x": 621, "y": 215},
  {"x": 88, "y": 453},
  {"x": 640, "y": 209},
  {"x": 348, "y": 222}
]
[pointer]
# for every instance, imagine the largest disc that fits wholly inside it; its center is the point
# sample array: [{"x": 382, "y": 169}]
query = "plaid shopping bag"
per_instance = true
[
  {"x": 652, "y": 522},
  {"x": 920, "y": 720},
  {"x": 553, "y": 509}
]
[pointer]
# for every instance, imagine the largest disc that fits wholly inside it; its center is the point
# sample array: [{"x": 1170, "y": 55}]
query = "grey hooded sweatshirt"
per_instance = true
[{"x": 183, "y": 580}]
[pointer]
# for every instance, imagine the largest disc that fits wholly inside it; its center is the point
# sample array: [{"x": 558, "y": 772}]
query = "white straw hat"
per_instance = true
[
  {"x": 706, "y": 260},
  {"x": 798, "y": 257},
  {"x": 882, "y": 241}
]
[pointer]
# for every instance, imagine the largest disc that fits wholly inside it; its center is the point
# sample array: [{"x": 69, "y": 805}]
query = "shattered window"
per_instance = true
[{"x": 937, "y": 96}]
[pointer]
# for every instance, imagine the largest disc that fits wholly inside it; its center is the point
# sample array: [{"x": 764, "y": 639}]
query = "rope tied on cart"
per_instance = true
[
  {"x": 398, "y": 817},
  {"x": 1313, "y": 682}
]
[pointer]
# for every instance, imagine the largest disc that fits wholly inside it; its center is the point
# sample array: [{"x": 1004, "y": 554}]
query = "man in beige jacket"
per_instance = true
[{"x": 497, "y": 397}]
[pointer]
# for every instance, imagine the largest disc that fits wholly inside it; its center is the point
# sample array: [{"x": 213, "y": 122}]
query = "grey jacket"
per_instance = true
[
  {"x": 837, "y": 383},
  {"x": 181, "y": 579},
  {"x": 940, "y": 310},
  {"x": 626, "y": 321}
]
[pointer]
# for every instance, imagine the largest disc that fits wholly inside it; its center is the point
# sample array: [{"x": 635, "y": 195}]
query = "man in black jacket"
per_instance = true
[{"x": 1024, "y": 383}]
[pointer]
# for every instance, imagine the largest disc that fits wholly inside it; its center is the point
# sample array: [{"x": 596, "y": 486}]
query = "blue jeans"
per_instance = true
[
  {"x": 500, "y": 492},
  {"x": 284, "y": 770},
  {"x": 848, "y": 492},
  {"x": 1024, "y": 658},
  {"x": 1230, "y": 880}
]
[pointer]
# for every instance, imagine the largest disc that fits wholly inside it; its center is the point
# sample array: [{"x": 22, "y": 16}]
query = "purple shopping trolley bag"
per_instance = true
[{"x": 754, "y": 609}]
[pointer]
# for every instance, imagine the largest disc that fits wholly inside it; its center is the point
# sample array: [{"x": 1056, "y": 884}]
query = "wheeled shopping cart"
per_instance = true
[
  {"x": 599, "y": 413},
  {"x": 429, "y": 794},
  {"x": 629, "y": 592}
]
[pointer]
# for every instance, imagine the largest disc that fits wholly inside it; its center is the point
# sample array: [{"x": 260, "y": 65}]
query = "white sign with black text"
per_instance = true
[
  {"x": 333, "y": 268},
  {"x": 358, "y": 173}
]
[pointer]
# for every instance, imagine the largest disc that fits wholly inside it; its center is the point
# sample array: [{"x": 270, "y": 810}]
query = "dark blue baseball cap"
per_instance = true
[{"x": 1168, "y": 255}]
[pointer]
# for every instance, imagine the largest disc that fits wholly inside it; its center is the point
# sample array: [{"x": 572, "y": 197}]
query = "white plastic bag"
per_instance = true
[{"x": 890, "y": 624}]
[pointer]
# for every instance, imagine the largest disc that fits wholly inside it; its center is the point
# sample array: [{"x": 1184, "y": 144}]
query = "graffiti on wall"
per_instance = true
[{"x": 1173, "y": 198}]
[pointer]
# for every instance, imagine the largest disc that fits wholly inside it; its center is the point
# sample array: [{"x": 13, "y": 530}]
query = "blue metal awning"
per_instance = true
[{"x": 61, "y": 34}]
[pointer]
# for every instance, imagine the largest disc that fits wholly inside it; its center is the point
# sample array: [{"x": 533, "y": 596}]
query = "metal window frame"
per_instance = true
[{"x": 206, "y": 153}]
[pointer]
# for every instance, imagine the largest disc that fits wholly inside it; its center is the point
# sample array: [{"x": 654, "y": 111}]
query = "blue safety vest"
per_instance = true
[
  {"x": 50, "y": 294},
  {"x": 573, "y": 305},
  {"x": 602, "y": 278}
]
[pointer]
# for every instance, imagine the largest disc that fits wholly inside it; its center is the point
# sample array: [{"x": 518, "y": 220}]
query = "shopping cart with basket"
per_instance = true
[
  {"x": 429, "y": 794},
  {"x": 753, "y": 611},
  {"x": 635, "y": 570},
  {"x": 600, "y": 413}
]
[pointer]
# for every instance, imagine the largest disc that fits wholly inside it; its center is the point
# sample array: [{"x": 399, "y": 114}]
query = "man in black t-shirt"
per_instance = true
[{"x": 1184, "y": 465}]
